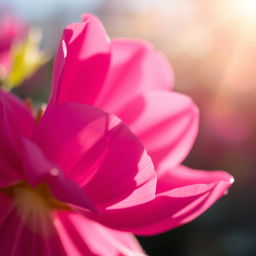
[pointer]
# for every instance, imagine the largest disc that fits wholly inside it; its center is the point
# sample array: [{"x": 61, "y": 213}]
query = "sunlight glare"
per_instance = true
[{"x": 245, "y": 10}]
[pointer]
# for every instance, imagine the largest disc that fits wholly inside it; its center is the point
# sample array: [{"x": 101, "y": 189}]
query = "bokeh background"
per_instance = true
[{"x": 211, "y": 45}]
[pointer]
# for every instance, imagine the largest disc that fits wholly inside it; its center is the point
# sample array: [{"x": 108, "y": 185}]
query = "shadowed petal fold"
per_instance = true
[
  {"x": 15, "y": 120},
  {"x": 18, "y": 114},
  {"x": 165, "y": 122},
  {"x": 39, "y": 170},
  {"x": 99, "y": 153}
]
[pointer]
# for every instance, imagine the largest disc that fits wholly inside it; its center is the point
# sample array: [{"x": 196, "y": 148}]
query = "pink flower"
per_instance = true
[
  {"x": 78, "y": 181},
  {"x": 131, "y": 79},
  {"x": 12, "y": 32},
  {"x": 59, "y": 173}
]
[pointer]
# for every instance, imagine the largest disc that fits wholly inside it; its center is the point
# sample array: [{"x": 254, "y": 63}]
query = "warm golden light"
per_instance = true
[{"x": 244, "y": 10}]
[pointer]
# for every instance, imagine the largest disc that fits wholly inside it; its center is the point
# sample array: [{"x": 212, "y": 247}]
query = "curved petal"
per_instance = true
[
  {"x": 136, "y": 67},
  {"x": 184, "y": 176},
  {"x": 19, "y": 116},
  {"x": 165, "y": 122},
  {"x": 174, "y": 205},
  {"x": 98, "y": 152},
  {"x": 39, "y": 170},
  {"x": 16, "y": 120},
  {"x": 81, "y": 62},
  {"x": 26, "y": 234},
  {"x": 81, "y": 236}
]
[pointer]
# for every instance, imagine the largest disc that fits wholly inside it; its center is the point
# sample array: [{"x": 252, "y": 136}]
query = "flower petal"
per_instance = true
[
  {"x": 26, "y": 235},
  {"x": 8, "y": 155},
  {"x": 98, "y": 152},
  {"x": 81, "y": 62},
  {"x": 39, "y": 170},
  {"x": 184, "y": 176},
  {"x": 16, "y": 120},
  {"x": 136, "y": 67},
  {"x": 174, "y": 205},
  {"x": 19, "y": 116},
  {"x": 81, "y": 236},
  {"x": 165, "y": 122}
]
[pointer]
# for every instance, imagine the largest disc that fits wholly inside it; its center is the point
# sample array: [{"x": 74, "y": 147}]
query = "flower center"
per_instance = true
[
  {"x": 27, "y": 195},
  {"x": 34, "y": 206}
]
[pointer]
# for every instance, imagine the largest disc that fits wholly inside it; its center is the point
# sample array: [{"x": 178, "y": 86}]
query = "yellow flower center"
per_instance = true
[
  {"x": 34, "y": 205},
  {"x": 41, "y": 194}
]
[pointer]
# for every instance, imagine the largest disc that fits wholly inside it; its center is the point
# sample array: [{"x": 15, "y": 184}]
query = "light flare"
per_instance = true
[{"x": 244, "y": 11}]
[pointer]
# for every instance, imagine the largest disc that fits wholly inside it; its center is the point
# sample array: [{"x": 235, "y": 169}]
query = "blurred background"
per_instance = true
[{"x": 211, "y": 46}]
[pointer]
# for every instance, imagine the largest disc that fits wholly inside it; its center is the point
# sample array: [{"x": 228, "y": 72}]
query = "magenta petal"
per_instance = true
[
  {"x": 40, "y": 170},
  {"x": 19, "y": 116},
  {"x": 99, "y": 152},
  {"x": 6, "y": 208},
  {"x": 8, "y": 154},
  {"x": 175, "y": 206},
  {"x": 16, "y": 121},
  {"x": 183, "y": 176},
  {"x": 81, "y": 62},
  {"x": 26, "y": 233},
  {"x": 165, "y": 122},
  {"x": 81, "y": 236},
  {"x": 9, "y": 174},
  {"x": 136, "y": 67}
]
